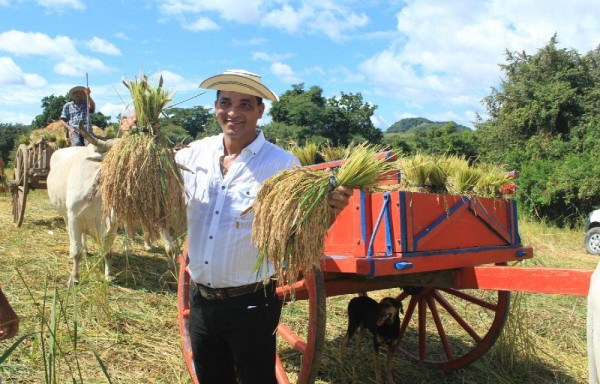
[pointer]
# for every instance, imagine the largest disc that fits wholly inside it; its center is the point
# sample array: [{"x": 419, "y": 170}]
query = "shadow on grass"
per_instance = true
[
  {"x": 49, "y": 223},
  {"x": 357, "y": 366}
]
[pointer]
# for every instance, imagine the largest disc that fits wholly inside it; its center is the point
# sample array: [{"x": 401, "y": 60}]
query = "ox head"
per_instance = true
[{"x": 101, "y": 145}]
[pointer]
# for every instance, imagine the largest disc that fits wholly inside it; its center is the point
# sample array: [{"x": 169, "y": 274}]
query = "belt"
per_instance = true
[{"x": 223, "y": 293}]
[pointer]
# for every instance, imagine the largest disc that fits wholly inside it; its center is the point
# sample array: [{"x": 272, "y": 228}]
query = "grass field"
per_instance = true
[{"x": 130, "y": 326}]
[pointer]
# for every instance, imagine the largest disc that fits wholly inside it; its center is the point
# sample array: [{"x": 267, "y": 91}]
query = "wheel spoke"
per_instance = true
[
  {"x": 440, "y": 328},
  {"x": 471, "y": 298},
  {"x": 459, "y": 319},
  {"x": 407, "y": 316},
  {"x": 422, "y": 327}
]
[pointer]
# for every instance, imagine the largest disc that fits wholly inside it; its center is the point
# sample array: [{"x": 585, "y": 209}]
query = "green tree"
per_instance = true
[
  {"x": 9, "y": 138},
  {"x": 544, "y": 120},
  {"x": 311, "y": 116},
  {"x": 192, "y": 120},
  {"x": 51, "y": 110},
  {"x": 447, "y": 139}
]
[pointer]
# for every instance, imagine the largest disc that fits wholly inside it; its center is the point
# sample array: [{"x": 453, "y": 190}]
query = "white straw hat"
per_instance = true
[
  {"x": 238, "y": 80},
  {"x": 75, "y": 89}
]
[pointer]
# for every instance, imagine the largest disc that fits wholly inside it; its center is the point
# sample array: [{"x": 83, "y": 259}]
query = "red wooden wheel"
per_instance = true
[
  {"x": 312, "y": 288},
  {"x": 307, "y": 344},
  {"x": 20, "y": 184},
  {"x": 449, "y": 328}
]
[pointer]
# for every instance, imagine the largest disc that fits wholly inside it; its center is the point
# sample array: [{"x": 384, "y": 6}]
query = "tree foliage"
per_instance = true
[
  {"x": 302, "y": 115},
  {"x": 9, "y": 139},
  {"x": 544, "y": 120},
  {"x": 192, "y": 120},
  {"x": 52, "y": 108}
]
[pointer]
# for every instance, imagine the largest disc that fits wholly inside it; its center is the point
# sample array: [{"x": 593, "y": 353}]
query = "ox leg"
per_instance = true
[
  {"x": 107, "y": 242},
  {"x": 148, "y": 246},
  {"x": 170, "y": 249},
  {"x": 75, "y": 248}
]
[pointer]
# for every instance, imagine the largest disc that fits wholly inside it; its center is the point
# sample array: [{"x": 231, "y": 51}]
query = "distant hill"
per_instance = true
[{"x": 413, "y": 124}]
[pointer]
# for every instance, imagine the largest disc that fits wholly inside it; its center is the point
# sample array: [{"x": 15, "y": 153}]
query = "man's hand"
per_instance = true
[
  {"x": 128, "y": 122},
  {"x": 338, "y": 199}
]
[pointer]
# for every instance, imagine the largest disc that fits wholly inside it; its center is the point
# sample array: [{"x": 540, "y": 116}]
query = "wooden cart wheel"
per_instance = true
[
  {"x": 305, "y": 344},
  {"x": 451, "y": 328},
  {"x": 20, "y": 184},
  {"x": 310, "y": 349},
  {"x": 183, "y": 311}
]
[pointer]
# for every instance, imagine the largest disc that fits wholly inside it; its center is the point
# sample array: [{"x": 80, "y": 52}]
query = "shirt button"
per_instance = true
[
  {"x": 222, "y": 187},
  {"x": 209, "y": 284},
  {"x": 206, "y": 262},
  {"x": 210, "y": 237},
  {"x": 216, "y": 212}
]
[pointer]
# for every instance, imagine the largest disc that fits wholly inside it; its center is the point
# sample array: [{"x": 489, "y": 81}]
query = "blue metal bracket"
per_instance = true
[{"x": 384, "y": 213}]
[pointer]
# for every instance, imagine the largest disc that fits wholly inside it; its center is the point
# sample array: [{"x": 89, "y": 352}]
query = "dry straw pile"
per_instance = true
[
  {"x": 453, "y": 175},
  {"x": 139, "y": 178},
  {"x": 292, "y": 214}
]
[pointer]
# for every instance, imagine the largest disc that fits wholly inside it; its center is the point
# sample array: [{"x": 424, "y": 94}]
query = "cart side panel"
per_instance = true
[
  {"x": 439, "y": 222},
  {"x": 346, "y": 237}
]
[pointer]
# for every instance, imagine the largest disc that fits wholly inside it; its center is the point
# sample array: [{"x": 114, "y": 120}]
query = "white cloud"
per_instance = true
[
  {"x": 4, "y": 3},
  {"x": 12, "y": 74},
  {"x": 177, "y": 82},
  {"x": 100, "y": 45},
  {"x": 241, "y": 11},
  {"x": 35, "y": 43},
  {"x": 285, "y": 73},
  {"x": 344, "y": 75},
  {"x": 287, "y": 18},
  {"x": 11, "y": 117},
  {"x": 121, "y": 35},
  {"x": 271, "y": 56},
  {"x": 320, "y": 18},
  {"x": 61, "y": 4},
  {"x": 61, "y": 48},
  {"x": 323, "y": 17},
  {"x": 449, "y": 52},
  {"x": 202, "y": 24},
  {"x": 79, "y": 65}
]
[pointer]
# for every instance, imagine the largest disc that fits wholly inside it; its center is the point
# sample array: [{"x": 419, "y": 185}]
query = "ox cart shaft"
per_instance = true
[
  {"x": 31, "y": 168},
  {"x": 449, "y": 259}
]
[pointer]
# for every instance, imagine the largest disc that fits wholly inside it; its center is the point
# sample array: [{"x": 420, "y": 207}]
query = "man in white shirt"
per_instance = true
[{"x": 233, "y": 310}]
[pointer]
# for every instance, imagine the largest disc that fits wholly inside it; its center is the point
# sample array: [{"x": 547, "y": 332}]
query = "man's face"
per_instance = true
[
  {"x": 78, "y": 96},
  {"x": 238, "y": 114}
]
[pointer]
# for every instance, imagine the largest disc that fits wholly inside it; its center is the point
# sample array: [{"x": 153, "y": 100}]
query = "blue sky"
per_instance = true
[{"x": 432, "y": 59}]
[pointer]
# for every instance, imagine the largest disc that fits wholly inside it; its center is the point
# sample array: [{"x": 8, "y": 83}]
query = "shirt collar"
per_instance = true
[{"x": 251, "y": 149}]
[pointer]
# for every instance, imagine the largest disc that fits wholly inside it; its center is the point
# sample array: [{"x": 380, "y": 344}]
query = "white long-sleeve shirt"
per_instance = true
[{"x": 220, "y": 247}]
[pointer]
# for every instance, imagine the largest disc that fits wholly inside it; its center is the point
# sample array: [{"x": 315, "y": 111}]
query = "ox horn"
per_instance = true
[{"x": 102, "y": 145}]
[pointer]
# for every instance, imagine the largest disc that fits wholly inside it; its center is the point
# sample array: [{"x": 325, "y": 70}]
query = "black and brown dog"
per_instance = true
[{"x": 382, "y": 320}]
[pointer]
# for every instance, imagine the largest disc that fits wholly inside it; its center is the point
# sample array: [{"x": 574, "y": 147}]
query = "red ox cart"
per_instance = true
[{"x": 449, "y": 257}]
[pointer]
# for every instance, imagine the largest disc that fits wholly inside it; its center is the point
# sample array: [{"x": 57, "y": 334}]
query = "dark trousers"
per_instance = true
[{"x": 234, "y": 337}]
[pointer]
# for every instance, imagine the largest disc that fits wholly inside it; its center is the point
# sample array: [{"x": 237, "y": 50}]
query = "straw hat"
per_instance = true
[
  {"x": 237, "y": 80},
  {"x": 75, "y": 89}
]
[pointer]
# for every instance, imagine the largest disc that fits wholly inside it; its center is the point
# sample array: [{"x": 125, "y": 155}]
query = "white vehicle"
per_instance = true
[{"x": 592, "y": 233}]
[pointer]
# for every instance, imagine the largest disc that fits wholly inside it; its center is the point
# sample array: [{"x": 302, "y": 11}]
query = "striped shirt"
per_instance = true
[
  {"x": 73, "y": 114},
  {"x": 219, "y": 237}
]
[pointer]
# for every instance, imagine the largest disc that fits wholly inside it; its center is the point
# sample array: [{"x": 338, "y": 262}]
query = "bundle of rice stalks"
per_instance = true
[
  {"x": 306, "y": 154},
  {"x": 423, "y": 173},
  {"x": 493, "y": 177},
  {"x": 331, "y": 153},
  {"x": 292, "y": 215},
  {"x": 462, "y": 178},
  {"x": 139, "y": 179}
]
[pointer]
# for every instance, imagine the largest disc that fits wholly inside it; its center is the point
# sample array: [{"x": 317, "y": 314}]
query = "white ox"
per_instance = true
[{"x": 70, "y": 181}]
